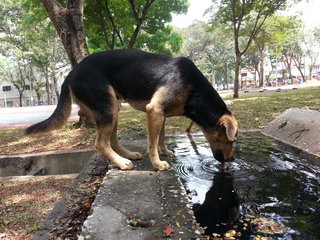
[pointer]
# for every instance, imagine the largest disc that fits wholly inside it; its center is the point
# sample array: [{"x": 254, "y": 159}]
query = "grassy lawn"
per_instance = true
[
  {"x": 24, "y": 205},
  {"x": 257, "y": 110}
]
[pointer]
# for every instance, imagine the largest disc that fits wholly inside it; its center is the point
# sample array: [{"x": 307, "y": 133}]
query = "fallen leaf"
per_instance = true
[
  {"x": 87, "y": 204},
  {"x": 168, "y": 230}
]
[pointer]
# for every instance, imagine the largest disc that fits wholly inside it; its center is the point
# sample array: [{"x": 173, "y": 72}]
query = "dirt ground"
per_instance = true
[{"x": 24, "y": 204}]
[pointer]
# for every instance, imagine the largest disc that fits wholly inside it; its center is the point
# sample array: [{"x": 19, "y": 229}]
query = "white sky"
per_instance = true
[{"x": 310, "y": 10}]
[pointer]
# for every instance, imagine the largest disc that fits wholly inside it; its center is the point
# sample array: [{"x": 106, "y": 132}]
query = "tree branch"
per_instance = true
[
  {"x": 139, "y": 19},
  {"x": 115, "y": 29}
]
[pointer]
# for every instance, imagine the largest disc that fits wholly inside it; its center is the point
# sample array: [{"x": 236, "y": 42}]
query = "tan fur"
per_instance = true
[{"x": 155, "y": 121}]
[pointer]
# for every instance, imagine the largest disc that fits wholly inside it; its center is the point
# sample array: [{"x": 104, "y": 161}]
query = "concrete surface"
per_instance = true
[
  {"x": 48, "y": 163},
  {"x": 297, "y": 127},
  {"x": 23, "y": 116},
  {"x": 140, "y": 205}
]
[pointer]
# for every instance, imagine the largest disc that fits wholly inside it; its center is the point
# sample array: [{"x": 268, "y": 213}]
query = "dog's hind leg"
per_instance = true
[
  {"x": 104, "y": 146},
  {"x": 106, "y": 117},
  {"x": 120, "y": 149},
  {"x": 162, "y": 145}
]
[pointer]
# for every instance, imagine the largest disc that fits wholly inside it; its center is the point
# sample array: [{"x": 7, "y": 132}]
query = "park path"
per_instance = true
[{"x": 24, "y": 116}]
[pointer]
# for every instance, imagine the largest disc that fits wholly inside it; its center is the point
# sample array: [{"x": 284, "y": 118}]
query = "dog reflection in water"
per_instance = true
[{"x": 220, "y": 207}]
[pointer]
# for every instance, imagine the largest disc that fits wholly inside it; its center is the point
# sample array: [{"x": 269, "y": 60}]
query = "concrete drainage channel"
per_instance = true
[{"x": 49, "y": 163}]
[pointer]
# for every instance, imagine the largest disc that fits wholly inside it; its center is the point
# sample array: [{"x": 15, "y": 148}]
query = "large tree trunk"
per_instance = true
[{"x": 69, "y": 25}]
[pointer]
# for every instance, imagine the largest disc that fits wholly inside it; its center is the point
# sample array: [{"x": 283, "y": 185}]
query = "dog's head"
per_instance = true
[{"x": 221, "y": 138}]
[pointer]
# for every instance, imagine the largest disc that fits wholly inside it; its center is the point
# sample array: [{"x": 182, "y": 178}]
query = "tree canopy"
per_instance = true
[{"x": 133, "y": 24}]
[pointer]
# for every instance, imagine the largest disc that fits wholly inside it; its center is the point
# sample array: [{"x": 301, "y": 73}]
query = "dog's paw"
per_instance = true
[
  {"x": 161, "y": 165},
  {"x": 125, "y": 164},
  {"x": 134, "y": 156},
  {"x": 167, "y": 153}
]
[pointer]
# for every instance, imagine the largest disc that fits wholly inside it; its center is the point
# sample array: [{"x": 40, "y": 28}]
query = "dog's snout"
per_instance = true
[{"x": 219, "y": 155}]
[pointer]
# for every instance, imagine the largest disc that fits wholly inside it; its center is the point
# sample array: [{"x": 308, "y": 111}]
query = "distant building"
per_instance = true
[
  {"x": 9, "y": 96},
  {"x": 247, "y": 77}
]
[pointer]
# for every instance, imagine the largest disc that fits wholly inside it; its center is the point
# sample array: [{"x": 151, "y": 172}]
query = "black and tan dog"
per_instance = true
[{"x": 156, "y": 84}]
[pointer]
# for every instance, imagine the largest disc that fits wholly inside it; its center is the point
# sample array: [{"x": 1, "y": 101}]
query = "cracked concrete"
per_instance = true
[
  {"x": 139, "y": 205},
  {"x": 297, "y": 127}
]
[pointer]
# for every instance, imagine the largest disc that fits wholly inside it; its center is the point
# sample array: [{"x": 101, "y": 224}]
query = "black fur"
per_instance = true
[{"x": 136, "y": 75}]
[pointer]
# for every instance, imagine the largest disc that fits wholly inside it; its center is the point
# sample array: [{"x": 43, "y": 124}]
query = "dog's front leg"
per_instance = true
[
  {"x": 162, "y": 145},
  {"x": 156, "y": 119}
]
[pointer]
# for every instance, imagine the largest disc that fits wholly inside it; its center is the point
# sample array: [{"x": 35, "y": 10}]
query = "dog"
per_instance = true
[{"x": 157, "y": 84}]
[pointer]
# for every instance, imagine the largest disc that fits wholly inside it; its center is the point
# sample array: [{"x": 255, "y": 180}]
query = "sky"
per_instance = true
[{"x": 310, "y": 12}]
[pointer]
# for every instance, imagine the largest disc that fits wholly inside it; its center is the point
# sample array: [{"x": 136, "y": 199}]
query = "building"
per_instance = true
[
  {"x": 248, "y": 78},
  {"x": 9, "y": 96}
]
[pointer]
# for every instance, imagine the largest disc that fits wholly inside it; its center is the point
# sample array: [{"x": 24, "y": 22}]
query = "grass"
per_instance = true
[{"x": 257, "y": 110}]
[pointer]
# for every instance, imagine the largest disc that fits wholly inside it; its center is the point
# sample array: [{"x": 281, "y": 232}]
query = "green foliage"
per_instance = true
[
  {"x": 212, "y": 51},
  {"x": 29, "y": 46},
  {"x": 117, "y": 24}
]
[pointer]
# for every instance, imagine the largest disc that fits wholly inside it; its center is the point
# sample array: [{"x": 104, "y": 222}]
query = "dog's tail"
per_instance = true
[{"x": 58, "y": 117}]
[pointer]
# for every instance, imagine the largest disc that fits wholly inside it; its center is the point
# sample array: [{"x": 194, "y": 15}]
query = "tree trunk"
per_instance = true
[
  {"x": 298, "y": 62},
  {"x": 226, "y": 73},
  {"x": 290, "y": 73},
  {"x": 48, "y": 89},
  {"x": 55, "y": 82},
  {"x": 38, "y": 96},
  {"x": 69, "y": 25},
  {"x": 310, "y": 72},
  {"x": 236, "y": 77},
  {"x": 261, "y": 72},
  {"x": 20, "y": 99}
]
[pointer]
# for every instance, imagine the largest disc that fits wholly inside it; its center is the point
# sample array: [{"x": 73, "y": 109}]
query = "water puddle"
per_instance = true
[{"x": 268, "y": 192}]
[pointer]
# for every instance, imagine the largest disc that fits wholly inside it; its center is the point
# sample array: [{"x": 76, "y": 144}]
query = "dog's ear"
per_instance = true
[{"x": 230, "y": 125}]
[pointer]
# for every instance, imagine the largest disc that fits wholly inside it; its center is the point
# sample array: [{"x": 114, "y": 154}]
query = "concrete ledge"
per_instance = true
[
  {"x": 48, "y": 163},
  {"x": 137, "y": 204},
  {"x": 297, "y": 127}
]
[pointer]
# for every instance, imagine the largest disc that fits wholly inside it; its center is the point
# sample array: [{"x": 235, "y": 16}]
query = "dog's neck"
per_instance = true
[{"x": 205, "y": 107}]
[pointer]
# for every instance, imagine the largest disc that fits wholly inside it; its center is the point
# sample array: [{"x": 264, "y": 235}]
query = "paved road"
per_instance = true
[{"x": 23, "y": 116}]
